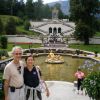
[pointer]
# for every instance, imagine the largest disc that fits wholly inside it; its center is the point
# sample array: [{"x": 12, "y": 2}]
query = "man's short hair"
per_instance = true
[{"x": 16, "y": 47}]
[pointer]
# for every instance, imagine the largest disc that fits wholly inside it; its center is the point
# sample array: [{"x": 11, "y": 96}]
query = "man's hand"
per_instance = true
[{"x": 6, "y": 98}]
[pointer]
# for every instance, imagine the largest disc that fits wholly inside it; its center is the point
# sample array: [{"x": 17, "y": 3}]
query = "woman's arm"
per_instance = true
[
  {"x": 40, "y": 74},
  {"x": 47, "y": 90}
]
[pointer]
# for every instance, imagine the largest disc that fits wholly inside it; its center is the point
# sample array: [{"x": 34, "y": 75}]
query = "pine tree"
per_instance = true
[
  {"x": 1, "y": 26},
  {"x": 84, "y": 11},
  {"x": 29, "y": 9}
]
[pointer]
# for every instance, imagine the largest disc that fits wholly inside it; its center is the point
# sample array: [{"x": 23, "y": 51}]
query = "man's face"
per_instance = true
[{"x": 17, "y": 54}]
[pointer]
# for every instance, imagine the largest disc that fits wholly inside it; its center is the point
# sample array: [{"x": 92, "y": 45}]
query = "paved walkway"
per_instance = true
[{"x": 63, "y": 91}]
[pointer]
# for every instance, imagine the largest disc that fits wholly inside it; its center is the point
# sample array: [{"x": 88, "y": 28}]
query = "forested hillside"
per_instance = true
[{"x": 30, "y": 9}]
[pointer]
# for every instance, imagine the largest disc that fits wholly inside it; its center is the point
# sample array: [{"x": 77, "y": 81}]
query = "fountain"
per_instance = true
[
  {"x": 54, "y": 59},
  {"x": 52, "y": 70}
]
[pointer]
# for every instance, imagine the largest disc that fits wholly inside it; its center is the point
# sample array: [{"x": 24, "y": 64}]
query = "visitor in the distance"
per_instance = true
[
  {"x": 80, "y": 77},
  {"x": 32, "y": 75},
  {"x": 13, "y": 76}
]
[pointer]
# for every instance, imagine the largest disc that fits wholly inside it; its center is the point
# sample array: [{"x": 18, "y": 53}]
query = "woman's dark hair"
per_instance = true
[
  {"x": 79, "y": 69},
  {"x": 28, "y": 57}
]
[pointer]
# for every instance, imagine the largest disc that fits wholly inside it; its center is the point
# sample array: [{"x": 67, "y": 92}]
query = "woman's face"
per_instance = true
[{"x": 30, "y": 61}]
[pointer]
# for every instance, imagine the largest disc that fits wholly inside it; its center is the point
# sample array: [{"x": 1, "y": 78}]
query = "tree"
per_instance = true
[
  {"x": 1, "y": 26},
  {"x": 78, "y": 9},
  {"x": 21, "y": 11},
  {"x": 38, "y": 10},
  {"x": 29, "y": 8},
  {"x": 2, "y": 7},
  {"x": 47, "y": 12},
  {"x": 8, "y": 5},
  {"x": 74, "y": 7},
  {"x": 10, "y": 27},
  {"x": 83, "y": 32},
  {"x": 12, "y": 7},
  {"x": 60, "y": 13}
]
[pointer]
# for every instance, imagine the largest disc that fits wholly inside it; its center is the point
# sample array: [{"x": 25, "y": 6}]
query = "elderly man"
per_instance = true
[{"x": 13, "y": 77}]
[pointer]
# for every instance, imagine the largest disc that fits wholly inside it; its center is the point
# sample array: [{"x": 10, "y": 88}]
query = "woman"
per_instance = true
[
  {"x": 80, "y": 76},
  {"x": 32, "y": 75}
]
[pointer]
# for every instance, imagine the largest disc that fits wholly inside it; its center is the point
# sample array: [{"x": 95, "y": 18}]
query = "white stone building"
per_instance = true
[
  {"x": 48, "y": 26},
  {"x": 53, "y": 29}
]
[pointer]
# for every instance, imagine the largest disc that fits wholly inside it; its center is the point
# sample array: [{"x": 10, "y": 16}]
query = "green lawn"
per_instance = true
[
  {"x": 24, "y": 46},
  {"x": 20, "y": 29},
  {"x": 74, "y": 46},
  {"x": 86, "y": 47},
  {"x": 97, "y": 34}
]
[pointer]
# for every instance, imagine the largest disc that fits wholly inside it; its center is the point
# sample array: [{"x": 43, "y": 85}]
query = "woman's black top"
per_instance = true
[{"x": 31, "y": 77}]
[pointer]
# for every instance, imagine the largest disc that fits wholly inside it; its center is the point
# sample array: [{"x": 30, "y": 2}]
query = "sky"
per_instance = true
[{"x": 48, "y": 1}]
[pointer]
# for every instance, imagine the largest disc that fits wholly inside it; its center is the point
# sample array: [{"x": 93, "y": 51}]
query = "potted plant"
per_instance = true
[
  {"x": 96, "y": 53},
  {"x": 91, "y": 84},
  {"x": 77, "y": 51}
]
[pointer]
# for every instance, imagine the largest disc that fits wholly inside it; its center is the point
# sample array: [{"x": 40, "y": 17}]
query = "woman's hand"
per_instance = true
[{"x": 47, "y": 92}]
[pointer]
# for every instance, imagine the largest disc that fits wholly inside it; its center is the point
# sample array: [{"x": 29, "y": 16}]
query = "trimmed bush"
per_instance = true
[
  {"x": 26, "y": 25},
  {"x": 3, "y": 54},
  {"x": 77, "y": 52},
  {"x": 3, "y": 41},
  {"x": 10, "y": 27}
]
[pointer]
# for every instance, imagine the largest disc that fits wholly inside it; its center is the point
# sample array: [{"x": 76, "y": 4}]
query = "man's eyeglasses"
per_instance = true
[
  {"x": 19, "y": 69},
  {"x": 18, "y": 53}
]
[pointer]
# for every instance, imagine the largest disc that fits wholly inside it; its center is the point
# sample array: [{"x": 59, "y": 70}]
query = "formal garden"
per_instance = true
[
  {"x": 82, "y": 55},
  {"x": 48, "y": 70}
]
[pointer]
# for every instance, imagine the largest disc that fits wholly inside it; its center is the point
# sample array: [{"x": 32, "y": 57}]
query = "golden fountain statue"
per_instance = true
[{"x": 56, "y": 59}]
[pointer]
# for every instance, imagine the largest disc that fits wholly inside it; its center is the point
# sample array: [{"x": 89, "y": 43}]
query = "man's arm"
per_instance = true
[{"x": 6, "y": 87}]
